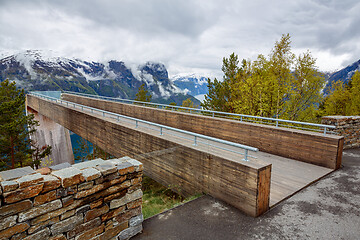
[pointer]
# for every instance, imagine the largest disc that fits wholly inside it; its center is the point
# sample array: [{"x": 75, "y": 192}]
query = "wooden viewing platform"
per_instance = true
[{"x": 251, "y": 186}]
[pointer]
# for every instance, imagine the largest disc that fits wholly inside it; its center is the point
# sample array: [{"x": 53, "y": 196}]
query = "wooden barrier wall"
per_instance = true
[
  {"x": 305, "y": 146},
  {"x": 245, "y": 185}
]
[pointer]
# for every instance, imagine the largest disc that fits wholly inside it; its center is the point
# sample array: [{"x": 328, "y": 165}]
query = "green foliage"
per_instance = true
[
  {"x": 188, "y": 103},
  {"x": 39, "y": 153},
  {"x": 281, "y": 86},
  {"x": 344, "y": 99},
  {"x": 143, "y": 95},
  {"x": 158, "y": 198},
  {"x": 16, "y": 147}
]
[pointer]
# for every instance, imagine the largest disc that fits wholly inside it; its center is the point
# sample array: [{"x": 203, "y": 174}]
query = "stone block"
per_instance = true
[
  {"x": 125, "y": 168},
  {"x": 44, "y": 171},
  {"x": 137, "y": 220},
  {"x": 29, "y": 180},
  {"x": 66, "y": 201},
  {"x": 83, "y": 227},
  {"x": 128, "y": 214},
  {"x": 90, "y": 174},
  {"x": 15, "y": 208},
  {"x": 129, "y": 232},
  {"x": 129, "y": 197},
  {"x": 134, "y": 204},
  {"x": 89, "y": 164},
  {"x": 50, "y": 183},
  {"x": 97, "y": 203},
  {"x": 138, "y": 165},
  {"x": 106, "y": 168},
  {"x": 55, "y": 213},
  {"x": 39, "y": 210},
  {"x": 67, "y": 214},
  {"x": 83, "y": 209},
  {"x": 113, "y": 232},
  {"x": 109, "y": 178},
  {"x": 24, "y": 193},
  {"x": 66, "y": 225},
  {"x": 42, "y": 225},
  {"x": 19, "y": 236},
  {"x": 18, "y": 228},
  {"x": 63, "y": 192},
  {"x": 118, "y": 194},
  {"x": 8, "y": 186},
  {"x": 15, "y": 173},
  {"x": 40, "y": 235},
  {"x": 60, "y": 166},
  {"x": 113, "y": 213},
  {"x": 58, "y": 237},
  {"x": 96, "y": 212},
  {"x": 85, "y": 186},
  {"x": 116, "y": 161},
  {"x": 44, "y": 198},
  {"x": 135, "y": 181},
  {"x": 89, "y": 234},
  {"x": 68, "y": 176},
  {"x": 8, "y": 222}
]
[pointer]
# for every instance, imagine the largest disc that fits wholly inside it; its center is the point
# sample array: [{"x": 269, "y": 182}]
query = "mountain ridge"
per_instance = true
[{"x": 38, "y": 70}]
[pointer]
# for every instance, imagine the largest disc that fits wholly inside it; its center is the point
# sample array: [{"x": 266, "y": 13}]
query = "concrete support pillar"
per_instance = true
[{"x": 55, "y": 135}]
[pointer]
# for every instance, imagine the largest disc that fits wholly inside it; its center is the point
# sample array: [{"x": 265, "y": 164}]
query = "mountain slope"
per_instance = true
[
  {"x": 38, "y": 70},
  {"x": 343, "y": 75},
  {"x": 193, "y": 84}
]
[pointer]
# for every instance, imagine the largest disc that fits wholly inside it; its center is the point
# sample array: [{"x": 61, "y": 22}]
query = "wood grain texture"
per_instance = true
[
  {"x": 310, "y": 147},
  {"x": 182, "y": 167}
]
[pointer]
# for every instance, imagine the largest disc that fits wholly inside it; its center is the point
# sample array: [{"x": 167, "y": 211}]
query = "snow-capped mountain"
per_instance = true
[
  {"x": 193, "y": 84},
  {"x": 343, "y": 75},
  {"x": 41, "y": 70}
]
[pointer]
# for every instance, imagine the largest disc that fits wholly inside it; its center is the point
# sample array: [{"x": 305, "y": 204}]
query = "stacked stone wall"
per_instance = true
[
  {"x": 347, "y": 126},
  {"x": 90, "y": 200}
]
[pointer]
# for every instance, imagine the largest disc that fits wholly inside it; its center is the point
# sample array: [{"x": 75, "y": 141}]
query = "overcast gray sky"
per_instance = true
[{"x": 188, "y": 36}]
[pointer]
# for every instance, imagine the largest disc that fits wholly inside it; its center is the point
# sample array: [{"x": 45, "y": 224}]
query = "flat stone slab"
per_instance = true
[
  {"x": 60, "y": 166},
  {"x": 90, "y": 174},
  {"x": 106, "y": 168},
  {"x": 15, "y": 173},
  {"x": 29, "y": 180},
  {"x": 89, "y": 164},
  {"x": 68, "y": 176}
]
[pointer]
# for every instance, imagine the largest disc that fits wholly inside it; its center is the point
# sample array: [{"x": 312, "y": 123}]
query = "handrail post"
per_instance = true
[
  {"x": 136, "y": 123},
  {"x": 324, "y": 131},
  {"x": 161, "y": 131},
  {"x": 277, "y": 123},
  {"x": 195, "y": 141},
  {"x": 246, "y": 155}
]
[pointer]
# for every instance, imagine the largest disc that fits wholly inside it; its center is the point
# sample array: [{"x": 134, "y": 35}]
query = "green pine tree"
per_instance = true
[
  {"x": 143, "y": 95},
  {"x": 15, "y": 127}
]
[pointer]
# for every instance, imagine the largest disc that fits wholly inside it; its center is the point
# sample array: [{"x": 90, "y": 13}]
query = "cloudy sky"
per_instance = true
[{"x": 188, "y": 36}]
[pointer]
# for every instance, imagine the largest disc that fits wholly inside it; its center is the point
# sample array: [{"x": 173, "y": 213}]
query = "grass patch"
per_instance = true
[{"x": 158, "y": 198}]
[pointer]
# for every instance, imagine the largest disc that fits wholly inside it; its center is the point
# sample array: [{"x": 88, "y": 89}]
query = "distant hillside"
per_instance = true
[{"x": 38, "y": 70}]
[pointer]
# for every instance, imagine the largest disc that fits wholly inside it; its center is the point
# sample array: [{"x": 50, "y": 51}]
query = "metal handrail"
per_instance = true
[
  {"x": 161, "y": 127},
  {"x": 276, "y": 121}
]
